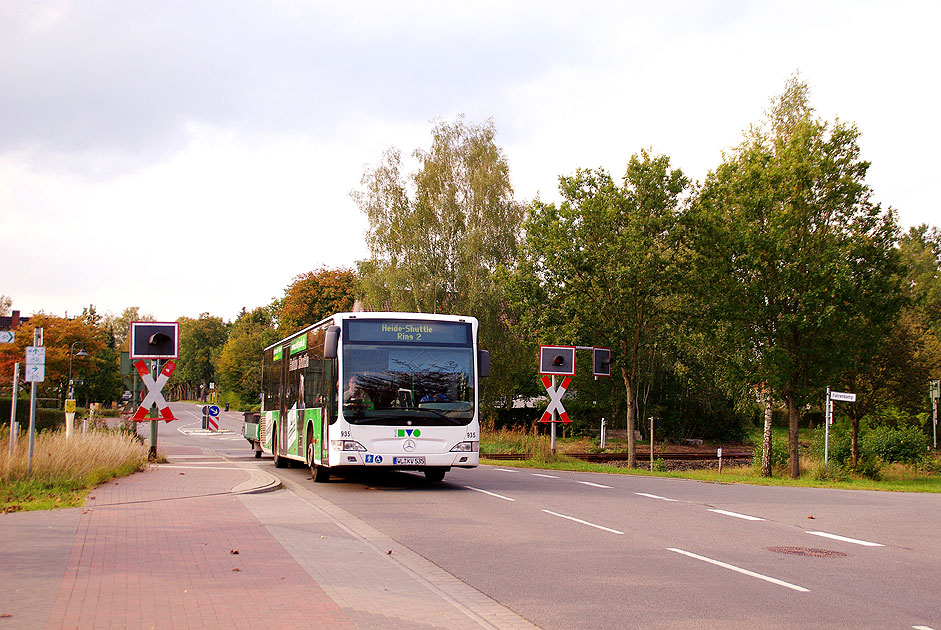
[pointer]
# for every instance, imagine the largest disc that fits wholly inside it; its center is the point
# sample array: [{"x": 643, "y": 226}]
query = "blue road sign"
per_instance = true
[{"x": 213, "y": 410}]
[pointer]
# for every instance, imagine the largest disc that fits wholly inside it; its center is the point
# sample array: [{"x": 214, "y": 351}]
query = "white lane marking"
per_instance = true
[
  {"x": 578, "y": 520},
  {"x": 922, "y": 628},
  {"x": 593, "y": 484},
  {"x": 654, "y": 496},
  {"x": 732, "y": 567},
  {"x": 737, "y": 515},
  {"x": 856, "y": 541},
  {"x": 542, "y": 475},
  {"x": 493, "y": 494},
  {"x": 505, "y": 470}
]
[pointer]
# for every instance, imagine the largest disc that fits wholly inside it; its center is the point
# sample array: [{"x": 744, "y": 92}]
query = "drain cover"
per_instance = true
[{"x": 807, "y": 551}]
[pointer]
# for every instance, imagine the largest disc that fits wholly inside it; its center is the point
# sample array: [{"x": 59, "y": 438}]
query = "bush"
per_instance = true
[
  {"x": 905, "y": 446},
  {"x": 779, "y": 455},
  {"x": 868, "y": 466}
]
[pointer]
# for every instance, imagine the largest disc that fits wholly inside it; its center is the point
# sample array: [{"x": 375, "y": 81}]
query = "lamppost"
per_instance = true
[{"x": 70, "y": 401}]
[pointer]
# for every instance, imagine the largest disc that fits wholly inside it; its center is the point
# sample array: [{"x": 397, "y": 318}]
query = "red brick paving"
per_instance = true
[{"x": 145, "y": 556}]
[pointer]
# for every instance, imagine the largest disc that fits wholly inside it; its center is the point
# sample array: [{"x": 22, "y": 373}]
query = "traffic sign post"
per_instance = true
[
  {"x": 154, "y": 397},
  {"x": 828, "y": 420},
  {"x": 35, "y": 373},
  {"x": 935, "y": 394}
]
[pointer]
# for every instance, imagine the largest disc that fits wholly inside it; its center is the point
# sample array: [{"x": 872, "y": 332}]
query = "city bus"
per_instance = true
[{"x": 391, "y": 391}]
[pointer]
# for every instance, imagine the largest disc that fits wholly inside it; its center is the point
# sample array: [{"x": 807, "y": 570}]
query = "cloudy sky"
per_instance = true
[{"x": 189, "y": 157}]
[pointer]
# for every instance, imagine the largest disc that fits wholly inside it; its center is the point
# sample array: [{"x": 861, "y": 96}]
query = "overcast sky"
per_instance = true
[{"x": 189, "y": 157}]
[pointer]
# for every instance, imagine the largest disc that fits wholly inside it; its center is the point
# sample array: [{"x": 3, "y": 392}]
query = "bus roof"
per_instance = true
[{"x": 336, "y": 318}]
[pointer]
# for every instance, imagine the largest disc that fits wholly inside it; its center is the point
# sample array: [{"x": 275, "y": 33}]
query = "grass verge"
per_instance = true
[
  {"x": 64, "y": 470},
  {"x": 894, "y": 477}
]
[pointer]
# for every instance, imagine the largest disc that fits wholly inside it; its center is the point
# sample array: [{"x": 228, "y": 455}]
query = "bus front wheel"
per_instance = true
[
  {"x": 435, "y": 474},
  {"x": 320, "y": 474},
  {"x": 279, "y": 462}
]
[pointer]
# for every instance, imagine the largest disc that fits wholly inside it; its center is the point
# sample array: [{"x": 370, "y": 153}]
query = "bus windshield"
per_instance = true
[{"x": 413, "y": 384}]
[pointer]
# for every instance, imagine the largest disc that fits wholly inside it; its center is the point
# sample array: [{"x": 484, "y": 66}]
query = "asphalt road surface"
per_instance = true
[{"x": 580, "y": 550}]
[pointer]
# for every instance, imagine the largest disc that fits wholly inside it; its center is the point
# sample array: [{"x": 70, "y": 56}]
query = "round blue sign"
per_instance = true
[{"x": 213, "y": 410}]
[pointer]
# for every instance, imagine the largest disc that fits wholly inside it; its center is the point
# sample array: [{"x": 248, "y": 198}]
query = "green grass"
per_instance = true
[
  {"x": 895, "y": 477},
  {"x": 64, "y": 470}
]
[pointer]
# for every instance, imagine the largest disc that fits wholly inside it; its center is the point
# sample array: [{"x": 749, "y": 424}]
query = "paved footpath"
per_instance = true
[{"x": 204, "y": 542}]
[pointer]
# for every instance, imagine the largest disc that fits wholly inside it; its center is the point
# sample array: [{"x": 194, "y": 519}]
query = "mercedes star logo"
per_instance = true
[{"x": 409, "y": 445}]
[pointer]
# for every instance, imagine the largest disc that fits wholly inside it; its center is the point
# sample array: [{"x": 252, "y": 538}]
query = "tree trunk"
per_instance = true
[
  {"x": 766, "y": 442},
  {"x": 793, "y": 417},
  {"x": 631, "y": 414}
]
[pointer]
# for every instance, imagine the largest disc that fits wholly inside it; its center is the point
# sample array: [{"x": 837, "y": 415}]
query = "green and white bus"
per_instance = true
[{"x": 384, "y": 390}]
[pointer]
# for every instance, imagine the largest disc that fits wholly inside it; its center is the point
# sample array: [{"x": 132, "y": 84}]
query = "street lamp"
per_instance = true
[{"x": 80, "y": 353}]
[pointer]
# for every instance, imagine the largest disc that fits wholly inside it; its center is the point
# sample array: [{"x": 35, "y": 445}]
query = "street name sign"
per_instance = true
[{"x": 843, "y": 396}]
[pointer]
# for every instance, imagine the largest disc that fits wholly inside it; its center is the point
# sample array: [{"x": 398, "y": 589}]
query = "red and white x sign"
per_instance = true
[
  {"x": 555, "y": 400},
  {"x": 153, "y": 391}
]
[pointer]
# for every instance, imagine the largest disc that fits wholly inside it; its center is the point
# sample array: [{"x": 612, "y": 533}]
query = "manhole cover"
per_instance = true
[{"x": 807, "y": 551}]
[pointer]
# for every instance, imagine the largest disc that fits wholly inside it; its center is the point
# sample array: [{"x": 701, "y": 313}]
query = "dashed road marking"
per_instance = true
[
  {"x": 578, "y": 520},
  {"x": 737, "y": 515},
  {"x": 732, "y": 567},
  {"x": 505, "y": 470},
  {"x": 855, "y": 541},
  {"x": 593, "y": 484},
  {"x": 654, "y": 496},
  {"x": 493, "y": 494},
  {"x": 542, "y": 475}
]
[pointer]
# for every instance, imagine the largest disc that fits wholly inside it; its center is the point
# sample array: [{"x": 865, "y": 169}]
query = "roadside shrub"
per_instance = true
[
  {"x": 779, "y": 455},
  {"x": 868, "y": 466},
  {"x": 907, "y": 446}
]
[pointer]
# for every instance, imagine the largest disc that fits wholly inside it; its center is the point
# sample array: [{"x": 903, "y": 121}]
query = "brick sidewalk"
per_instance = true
[{"x": 154, "y": 550}]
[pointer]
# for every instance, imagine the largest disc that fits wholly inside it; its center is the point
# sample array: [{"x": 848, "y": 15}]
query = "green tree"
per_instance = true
[
  {"x": 794, "y": 259},
  {"x": 317, "y": 294},
  {"x": 201, "y": 343},
  {"x": 59, "y": 335},
  {"x": 438, "y": 237},
  {"x": 240, "y": 363},
  {"x": 600, "y": 268}
]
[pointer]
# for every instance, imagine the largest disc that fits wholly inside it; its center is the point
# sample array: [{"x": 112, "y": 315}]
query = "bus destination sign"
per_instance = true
[{"x": 408, "y": 331}]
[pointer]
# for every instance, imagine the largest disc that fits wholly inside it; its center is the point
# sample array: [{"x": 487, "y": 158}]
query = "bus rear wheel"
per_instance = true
[{"x": 435, "y": 474}]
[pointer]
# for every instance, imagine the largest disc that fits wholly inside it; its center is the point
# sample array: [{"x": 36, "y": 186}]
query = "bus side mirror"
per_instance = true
[
  {"x": 331, "y": 342},
  {"x": 483, "y": 363}
]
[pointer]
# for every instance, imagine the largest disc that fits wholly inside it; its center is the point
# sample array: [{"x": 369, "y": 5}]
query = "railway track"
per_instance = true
[{"x": 641, "y": 456}]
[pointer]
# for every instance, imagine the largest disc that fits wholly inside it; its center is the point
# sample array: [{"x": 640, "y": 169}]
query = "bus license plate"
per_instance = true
[{"x": 408, "y": 461}]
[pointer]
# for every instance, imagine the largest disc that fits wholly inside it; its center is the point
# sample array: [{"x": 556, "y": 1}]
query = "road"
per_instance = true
[{"x": 580, "y": 550}]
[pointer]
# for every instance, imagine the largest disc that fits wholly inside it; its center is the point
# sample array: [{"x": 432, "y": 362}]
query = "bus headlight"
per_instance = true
[
  {"x": 466, "y": 447},
  {"x": 346, "y": 445}
]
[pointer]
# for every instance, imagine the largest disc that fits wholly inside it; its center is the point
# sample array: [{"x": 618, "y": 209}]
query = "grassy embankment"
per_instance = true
[
  {"x": 64, "y": 471},
  {"x": 894, "y": 477}
]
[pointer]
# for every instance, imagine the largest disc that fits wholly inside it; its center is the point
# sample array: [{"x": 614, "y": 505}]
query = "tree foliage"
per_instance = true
[
  {"x": 794, "y": 256},
  {"x": 438, "y": 236},
  {"x": 316, "y": 294},
  {"x": 201, "y": 343},
  {"x": 240, "y": 362},
  {"x": 601, "y": 268}
]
